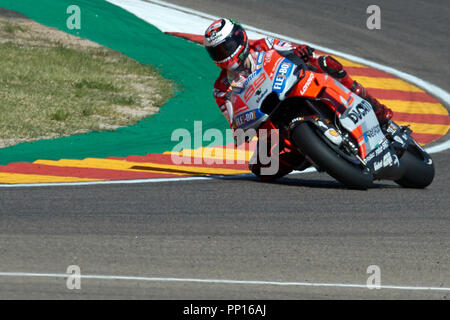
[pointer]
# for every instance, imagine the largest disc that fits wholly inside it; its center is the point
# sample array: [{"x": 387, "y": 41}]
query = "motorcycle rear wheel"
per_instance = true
[{"x": 311, "y": 145}]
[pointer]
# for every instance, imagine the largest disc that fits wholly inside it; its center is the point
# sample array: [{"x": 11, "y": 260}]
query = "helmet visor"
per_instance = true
[{"x": 227, "y": 48}]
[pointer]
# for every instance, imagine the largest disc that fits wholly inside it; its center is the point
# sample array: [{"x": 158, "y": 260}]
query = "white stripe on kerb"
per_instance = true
[
  {"x": 138, "y": 181},
  {"x": 439, "y": 147},
  {"x": 70, "y": 184}
]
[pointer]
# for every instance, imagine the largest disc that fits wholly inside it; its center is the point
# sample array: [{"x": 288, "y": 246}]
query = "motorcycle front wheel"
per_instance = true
[
  {"x": 312, "y": 146},
  {"x": 419, "y": 168}
]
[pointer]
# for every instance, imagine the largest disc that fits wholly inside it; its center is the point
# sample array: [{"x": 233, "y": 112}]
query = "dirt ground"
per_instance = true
[{"x": 46, "y": 32}]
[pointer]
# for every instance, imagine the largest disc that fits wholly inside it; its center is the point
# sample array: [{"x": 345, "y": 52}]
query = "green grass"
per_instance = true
[
  {"x": 50, "y": 89},
  {"x": 60, "y": 115}
]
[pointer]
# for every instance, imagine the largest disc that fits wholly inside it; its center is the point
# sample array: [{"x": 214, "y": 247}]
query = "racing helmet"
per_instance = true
[{"x": 227, "y": 44}]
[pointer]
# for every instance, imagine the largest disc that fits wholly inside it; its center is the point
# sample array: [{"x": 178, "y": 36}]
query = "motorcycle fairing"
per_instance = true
[
  {"x": 247, "y": 98},
  {"x": 275, "y": 73},
  {"x": 355, "y": 114},
  {"x": 360, "y": 119}
]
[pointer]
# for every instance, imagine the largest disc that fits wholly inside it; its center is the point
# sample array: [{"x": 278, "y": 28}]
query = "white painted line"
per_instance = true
[{"x": 220, "y": 281}]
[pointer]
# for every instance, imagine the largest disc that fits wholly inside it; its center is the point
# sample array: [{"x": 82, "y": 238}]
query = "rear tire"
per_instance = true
[
  {"x": 308, "y": 141},
  {"x": 419, "y": 174}
]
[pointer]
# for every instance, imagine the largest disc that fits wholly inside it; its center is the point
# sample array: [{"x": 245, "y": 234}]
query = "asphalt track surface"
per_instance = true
[{"x": 304, "y": 228}]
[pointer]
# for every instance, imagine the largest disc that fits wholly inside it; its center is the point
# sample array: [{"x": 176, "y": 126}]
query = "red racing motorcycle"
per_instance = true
[{"x": 334, "y": 129}]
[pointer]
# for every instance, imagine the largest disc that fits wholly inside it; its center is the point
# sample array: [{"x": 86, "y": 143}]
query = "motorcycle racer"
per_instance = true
[{"x": 228, "y": 46}]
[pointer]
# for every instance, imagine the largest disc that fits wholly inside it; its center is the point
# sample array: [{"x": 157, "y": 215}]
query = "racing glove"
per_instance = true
[{"x": 304, "y": 52}]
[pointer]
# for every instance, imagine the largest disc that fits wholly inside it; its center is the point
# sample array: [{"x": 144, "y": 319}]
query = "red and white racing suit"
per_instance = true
[{"x": 288, "y": 161}]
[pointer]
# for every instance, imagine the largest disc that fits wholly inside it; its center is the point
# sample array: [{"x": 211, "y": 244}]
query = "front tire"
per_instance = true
[
  {"x": 419, "y": 169},
  {"x": 310, "y": 144}
]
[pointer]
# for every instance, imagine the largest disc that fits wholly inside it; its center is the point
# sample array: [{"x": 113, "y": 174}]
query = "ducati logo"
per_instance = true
[{"x": 359, "y": 111}]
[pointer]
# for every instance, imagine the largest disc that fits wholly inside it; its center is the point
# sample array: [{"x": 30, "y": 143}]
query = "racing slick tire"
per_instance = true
[
  {"x": 314, "y": 148},
  {"x": 419, "y": 169}
]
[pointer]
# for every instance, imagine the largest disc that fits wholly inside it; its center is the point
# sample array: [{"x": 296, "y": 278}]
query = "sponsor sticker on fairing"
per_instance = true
[
  {"x": 360, "y": 114},
  {"x": 245, "y": 118},
  {"x": 372, "y": 136},
  {"x": 283, "y": 71},
  {"x": 261, "y": 96},
  {"x": 269, "y": 42},
  {"x": 371, "y": 133},
  {"x": 307, "y": 84},
  {"x": 268, "y": 56},
  {"x": 260, "y": 59}
]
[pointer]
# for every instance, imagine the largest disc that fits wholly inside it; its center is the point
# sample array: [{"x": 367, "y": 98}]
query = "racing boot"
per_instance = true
[
  {"x": 288, "y": 162},
  {"x": 335, "y": 69}
]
